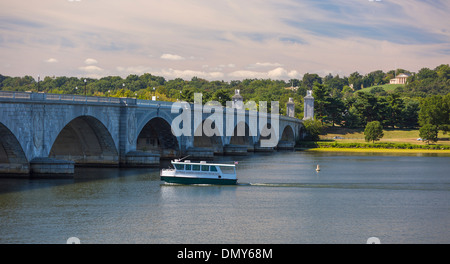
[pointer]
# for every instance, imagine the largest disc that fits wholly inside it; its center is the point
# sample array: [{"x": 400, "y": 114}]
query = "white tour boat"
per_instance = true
[{"x": 187, "y": 172}]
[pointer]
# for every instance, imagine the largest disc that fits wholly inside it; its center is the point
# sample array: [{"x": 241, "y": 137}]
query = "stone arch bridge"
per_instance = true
[{"x": 49, "y": 134}]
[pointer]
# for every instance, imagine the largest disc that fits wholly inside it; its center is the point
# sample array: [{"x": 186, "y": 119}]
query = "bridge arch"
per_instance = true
[
  {"x": 241, "y": 136},
  {"x": 213, "y": 142},
  {"x": 12, "y": 156},
  {"x": 156, "y": 136},
  {"x": 301, "y": 132},
  {"x": 265, "y": 135},
  {"x": 288, "y": 134},
  {"x": 287, "y": 139},
  {"x": 86, "y": 141}
]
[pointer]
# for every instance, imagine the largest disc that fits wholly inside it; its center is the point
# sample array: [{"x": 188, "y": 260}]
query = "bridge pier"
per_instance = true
[
  {"x": 231, "y": 149},
  {"x": 48, "y": 167},
  {"x": 141, "y": 159},
  {"x": 14, "y": 169},
  {"x": 200, "y": 153},
  {"x": 286, "y": 145},
  {"x": 258, "y": 148}
]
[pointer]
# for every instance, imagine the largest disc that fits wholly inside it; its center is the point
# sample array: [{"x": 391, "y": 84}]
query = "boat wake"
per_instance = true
[
  {"x": 386, "y": 186},
  {"x": 355, "y": 186}
]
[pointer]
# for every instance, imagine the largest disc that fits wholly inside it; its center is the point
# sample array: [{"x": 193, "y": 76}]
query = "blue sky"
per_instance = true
[{"x": 221, "y": 39}]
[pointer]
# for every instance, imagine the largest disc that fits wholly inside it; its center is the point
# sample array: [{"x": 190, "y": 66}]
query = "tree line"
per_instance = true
[{"x": 340, "y": 101}]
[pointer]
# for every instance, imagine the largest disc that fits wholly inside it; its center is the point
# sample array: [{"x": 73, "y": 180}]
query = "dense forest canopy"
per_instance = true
[{"x": 339, "y": 100}]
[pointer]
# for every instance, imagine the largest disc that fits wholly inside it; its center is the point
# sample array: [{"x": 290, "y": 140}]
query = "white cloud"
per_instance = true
[
  {"x": 230, "y": 65},
  {"x": 247, "y": 75},
  {"x": 188, "y": 74},
  {"x": 91, "y": 69},
  {"x": 283, "y": 74},
  {"x": 51, "y": 60},
  {"x": 171, "y": 73},
  {"x": 265, "y": 64},
  {"x": 133, "y": 70},
  {"x": 90, "y": 61},
  {"x": 172, "y": 57},
  {"x": 276, "y": 74},
  {"x": 219, "y": 67}
]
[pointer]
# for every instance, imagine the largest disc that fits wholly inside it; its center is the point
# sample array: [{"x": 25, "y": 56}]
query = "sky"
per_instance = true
[{"x": 221, "y": 39}]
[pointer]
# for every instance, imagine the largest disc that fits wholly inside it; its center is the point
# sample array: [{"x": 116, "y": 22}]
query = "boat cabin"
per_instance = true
[
  {"x": 187, "y": 172},
  {"x": 189, "y": 167}
]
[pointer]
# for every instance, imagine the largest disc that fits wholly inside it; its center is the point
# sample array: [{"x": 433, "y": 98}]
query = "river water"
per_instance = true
[{"x": 280, "y": 199}]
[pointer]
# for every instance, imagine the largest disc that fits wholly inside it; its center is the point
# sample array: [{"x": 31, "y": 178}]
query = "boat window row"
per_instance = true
[{"x": 193, "y": 167}]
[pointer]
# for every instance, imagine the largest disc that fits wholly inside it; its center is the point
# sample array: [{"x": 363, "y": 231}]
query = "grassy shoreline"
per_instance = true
[
  {"x": 338, "y": 139},
  {"x": 380, "y": 150},
  {"x": 349, "y": 135},
  {"x": 384, "y": 147}
]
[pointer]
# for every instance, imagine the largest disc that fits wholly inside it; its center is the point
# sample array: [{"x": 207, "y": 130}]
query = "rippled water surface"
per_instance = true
[{"x": 280, "y": 199}]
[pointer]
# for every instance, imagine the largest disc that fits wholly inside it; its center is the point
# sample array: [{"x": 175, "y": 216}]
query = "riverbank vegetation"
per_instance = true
[
  {"x": 422, "y": 106},
  {"x": 394, "y": 141},
  {"x": 445, "y": 152},
  {"x": 349, "y": 101},
  {"x": 381, "y": 145},
  {"x": 340, "y": 102}
]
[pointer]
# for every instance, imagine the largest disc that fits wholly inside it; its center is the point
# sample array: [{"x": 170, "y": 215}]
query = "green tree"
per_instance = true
[
  {"x": 368, "y": 80},
  {"x": 373, "y": 131},
  {"x": 313, "y": 129},
  {"x": 429, "y": 132},
  {"x": 435, "y": 110},
  {"x": 335, "y": 82},
  {"x": 378, "y": 77},
  {"x": 356, "y": 80},
  {"x": 309, "y": 80},
  {"x": 335, "y": 110},
  {"x": 320, "y": 94},
  {"x": 379, "y": 91},
  {"x": 187, "y": 95},
  {"x": 410, "y": 113},
  {"x": 351, "y": 118},
  {"x": 221, "y": 96},
  {"x": 368, "y": 106},
  {"x": 443, "y": 71},
  {"x": 426, "y": 73},
  {"x": 347, "y": 92},
  {"x": 394, "y": 108}
]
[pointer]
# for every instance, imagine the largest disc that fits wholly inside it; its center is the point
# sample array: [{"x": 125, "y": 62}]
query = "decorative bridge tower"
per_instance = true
[
  {"x": 308, "y": 112},
  {"x": 290, "y": 108},
  {"x": 238, "y": 101}
]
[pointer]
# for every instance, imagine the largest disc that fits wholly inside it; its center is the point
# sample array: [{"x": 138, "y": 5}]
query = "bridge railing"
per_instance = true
[
  {"x": 79, "y": 98},
  {"x": 62, "y": 97},
  {"x": 141, "y": 102},
  {"x": 14, "y": 95}
]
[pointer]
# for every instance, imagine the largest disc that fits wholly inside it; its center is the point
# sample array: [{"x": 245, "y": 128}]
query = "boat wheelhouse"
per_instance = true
[{"x": 187, "y": 172}]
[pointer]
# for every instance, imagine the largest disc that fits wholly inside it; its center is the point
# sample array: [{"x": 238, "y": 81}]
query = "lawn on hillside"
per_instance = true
[
  {"x": 386, "y": 87},
  {"x": 390, "y": 135}
]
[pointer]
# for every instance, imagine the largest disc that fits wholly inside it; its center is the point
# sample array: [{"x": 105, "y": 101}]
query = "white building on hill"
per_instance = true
[{"x": 400, "y": 79}]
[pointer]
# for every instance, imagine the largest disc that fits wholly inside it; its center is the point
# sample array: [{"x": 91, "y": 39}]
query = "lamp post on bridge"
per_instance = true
[{"x": 85, "y": 82}]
